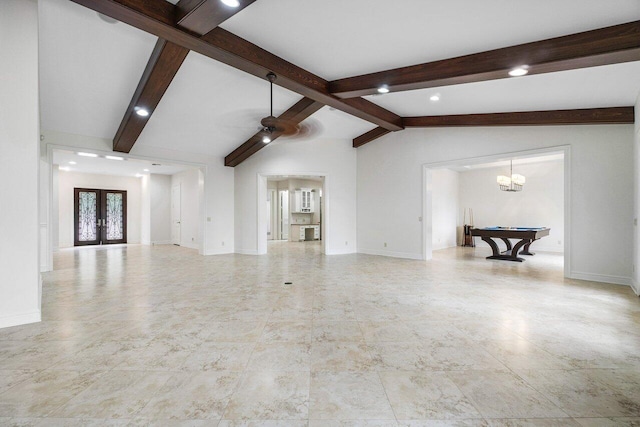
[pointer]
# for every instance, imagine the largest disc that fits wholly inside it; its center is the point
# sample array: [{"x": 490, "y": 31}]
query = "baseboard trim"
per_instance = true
[
  {"x": 391, "y": 254},
  {"x": 20, "y": 319},
  {"x": 602, "y": 278},
  {"x": 635, "y": 286},
  {"x": 246, "y": 251},
  {"x": 162, "y": 242}
]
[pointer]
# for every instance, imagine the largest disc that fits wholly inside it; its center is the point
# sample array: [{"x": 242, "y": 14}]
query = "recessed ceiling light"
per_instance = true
[
  {"x": 383, "y": 89},
  {"x": 139, "y": 175},
  {"x": 72, "y": 163},
  {"x": 266, "y": 139},
  {"x": 231, "y": 3},
  {"x": 87, "y": 154},
  {"x": 64, "y": 168},
  {"x": 114, "y": 157},
  {"x": 145, "y": 170},
  {"x": 142, "y": 112},
  {"x": 519, "y": 71},
  {"x": 435, "y": 97}
]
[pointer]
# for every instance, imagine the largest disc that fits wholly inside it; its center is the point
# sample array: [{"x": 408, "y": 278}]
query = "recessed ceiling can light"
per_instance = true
[
  {"x": 266, "y": 139},
  {"x": 383, "y": 89},
  {"x": 64, "y": 168},
  {"x": 114, "y": 157},
  {"x": 231, "y": 3},
  {"x": 87, "y": 154},
  {"x": 72, "y": 163},
  {"x": 145, "y": 170},
  {"x": 519, "y": 71},
  {"x": 142, "y": 112},
  {"x": 435, "y": 97},
  {"x": 139, "y": 175}
]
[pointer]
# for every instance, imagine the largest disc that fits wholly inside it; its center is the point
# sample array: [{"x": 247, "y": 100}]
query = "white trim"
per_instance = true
[
  {"x": 602, "y": 278},
  {"x": 635, "y": 286},
  {"x": 427, "y": 216},
  {"x": 162, "y": 242},
  {"x": 20, "y": 319},
  {"x": 391, "y": 254},
  {"x": 246, "y": 251}
]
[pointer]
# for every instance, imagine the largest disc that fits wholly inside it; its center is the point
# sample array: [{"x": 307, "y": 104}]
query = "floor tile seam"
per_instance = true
[
  {"x": 549, "y": 399},
  {"x": 393, "y": 411},
  {"x": 53, "y": 411},
  {"x": 129, "y": 385}
]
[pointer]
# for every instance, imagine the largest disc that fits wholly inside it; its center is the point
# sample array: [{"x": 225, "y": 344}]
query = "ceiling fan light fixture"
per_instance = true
[
  {"x": 435, "y": 97},
  {"x": 231, "y": 3},
  {"x": 383, "y": 89},
  {"x": 266, "y": 139},
  {"x": 523, "y": 70}
]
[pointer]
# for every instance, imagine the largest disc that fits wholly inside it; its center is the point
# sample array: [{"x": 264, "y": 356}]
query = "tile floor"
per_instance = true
[{"x": 162, "y": 336}]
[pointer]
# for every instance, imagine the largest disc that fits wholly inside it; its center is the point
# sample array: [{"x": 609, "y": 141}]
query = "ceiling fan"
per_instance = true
[{"x": 273, "y": 127}]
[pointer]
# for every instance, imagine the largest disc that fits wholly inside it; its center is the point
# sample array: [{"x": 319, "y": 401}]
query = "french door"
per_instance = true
[{"x": 100, "y": 216}]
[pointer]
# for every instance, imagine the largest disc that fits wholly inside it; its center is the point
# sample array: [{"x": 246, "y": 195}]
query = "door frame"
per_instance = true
[
  {"x": 427, "y": 193},
  {"x": 101, "y": 215},
  {"x": 261, "y": 198}
]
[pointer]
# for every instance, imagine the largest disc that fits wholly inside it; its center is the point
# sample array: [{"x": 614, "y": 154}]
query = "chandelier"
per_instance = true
[{"x": 512, "y": 183}]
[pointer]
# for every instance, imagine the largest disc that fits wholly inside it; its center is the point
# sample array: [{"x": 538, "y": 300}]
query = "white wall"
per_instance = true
[
  {"x": 145, "y": 210},
  {"x": 636, "y": 199},
  {"x": 160, "y": 189},
  {"x": 390, "y": 188},
  {"x": 335, "y": 159},
  {"x": 189, "y": 182},
  {"x": 445, "y": 210},
  {"x": 539, "y": 204},
  {"x": 19, "y": 162},
  {"x": 67, "y": 181}
]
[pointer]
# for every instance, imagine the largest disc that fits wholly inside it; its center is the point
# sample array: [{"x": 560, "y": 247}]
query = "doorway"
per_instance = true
[
  {"x": 176, "y": 214},
  {"x": 100, "y": 216}
]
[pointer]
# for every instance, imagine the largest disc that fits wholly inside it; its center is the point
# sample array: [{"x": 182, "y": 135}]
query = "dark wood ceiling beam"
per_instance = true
[
  {"x": 369, "y": 136},
  {"x": 197, "y": 16},
  {"x": 296, "y": 114},
  {"x": 202, "y": 16},
  {"x": 164, "y": 63},
  {"x": 157, "y": 17},
  {"x": 589, "y": 116},
  {"x": 604, "y": 46}
]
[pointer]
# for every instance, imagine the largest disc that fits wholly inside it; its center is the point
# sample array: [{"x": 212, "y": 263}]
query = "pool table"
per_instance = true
[{"x": 527, "y": 235}]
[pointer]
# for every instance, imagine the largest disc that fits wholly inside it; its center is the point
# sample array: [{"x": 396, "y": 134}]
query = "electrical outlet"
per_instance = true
[
  {"x": 420, "y": 219},
  {"x": 385, "y": 244},
  {"x": 193, "y": 239},
  {"x": 559, "y": 242},
  {"x": 346, "y": 243},
  {"x": 222, "y": 243},
  {"x": 208, "y": 219}
]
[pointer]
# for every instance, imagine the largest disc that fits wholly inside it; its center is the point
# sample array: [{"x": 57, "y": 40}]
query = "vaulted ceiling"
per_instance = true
[{"x": 90, "y": 68}]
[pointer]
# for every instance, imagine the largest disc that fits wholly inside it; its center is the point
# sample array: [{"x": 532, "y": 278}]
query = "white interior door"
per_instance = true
[
  {"x": 284, "y": 214},
  {"x": 176, "y": 213}
]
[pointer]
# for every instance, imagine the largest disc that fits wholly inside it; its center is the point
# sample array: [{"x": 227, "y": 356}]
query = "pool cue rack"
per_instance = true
[{"x": 467, "y": 238}]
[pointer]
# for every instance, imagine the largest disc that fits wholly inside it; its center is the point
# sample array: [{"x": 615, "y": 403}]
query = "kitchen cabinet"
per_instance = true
[
  {"x": 300, "y": 232},
  {"x": 303, "y": 201}
]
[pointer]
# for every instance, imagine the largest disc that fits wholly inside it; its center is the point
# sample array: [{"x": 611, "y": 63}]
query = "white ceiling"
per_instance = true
[
  {"x": 90, "y": 69},
  {"x": 556, "y": 157},
  {"x": 100, "y": 165}
]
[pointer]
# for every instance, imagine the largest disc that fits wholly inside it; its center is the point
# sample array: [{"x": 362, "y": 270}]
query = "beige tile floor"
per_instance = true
[{"x": 162, "y": 336}]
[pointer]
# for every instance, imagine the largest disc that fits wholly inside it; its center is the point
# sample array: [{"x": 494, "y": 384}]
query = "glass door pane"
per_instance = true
[
  {"x": 86, "y": 220},
  {"x": 114, "y": 215}
]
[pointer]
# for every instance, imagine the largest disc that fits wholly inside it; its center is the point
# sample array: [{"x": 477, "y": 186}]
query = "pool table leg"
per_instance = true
[
  {"x": 507, "y": 242},
  {"x": 525, "y": 250},
  {"x": 507, "y": 256}
]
